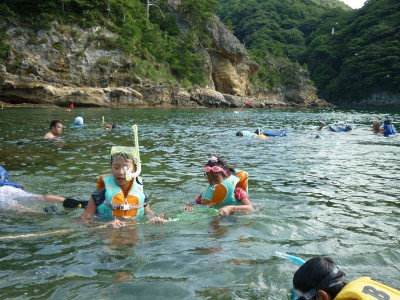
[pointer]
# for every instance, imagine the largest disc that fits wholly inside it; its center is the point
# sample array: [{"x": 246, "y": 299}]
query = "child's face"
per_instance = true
[
  {"x": 117, "y": 168},
  {"x": 214, "y": 177}
]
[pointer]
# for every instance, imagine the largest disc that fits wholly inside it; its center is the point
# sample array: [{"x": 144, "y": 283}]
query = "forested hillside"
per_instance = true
[
  {"x": 351, "y": 54},
  {"x": 362, "y": 57},
  {"x": 152, "y": 36}
]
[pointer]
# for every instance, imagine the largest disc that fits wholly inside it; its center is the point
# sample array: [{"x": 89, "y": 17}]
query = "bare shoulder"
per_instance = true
[{"x": 48, "y": 135}]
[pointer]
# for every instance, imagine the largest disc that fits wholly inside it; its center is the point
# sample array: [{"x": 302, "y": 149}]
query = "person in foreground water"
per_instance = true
[
  {"x": 119, "y": 196},
  {"x": 321, "y": 279},
  {"x": 226, "y": 190},
  {"x": 55, "y": 130},
  {"x": 11, "y": 192}
]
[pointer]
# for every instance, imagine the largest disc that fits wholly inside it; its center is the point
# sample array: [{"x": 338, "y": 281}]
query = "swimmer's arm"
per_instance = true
[
  {"x": 88, "y": 213},
  {"x": 241, "y": 196},
  {"x": 53, "y": 198},
  {"x": 148, "y": 211},
  {"x": 231, "y": 209},
  {"x": 246, "y": 206}
]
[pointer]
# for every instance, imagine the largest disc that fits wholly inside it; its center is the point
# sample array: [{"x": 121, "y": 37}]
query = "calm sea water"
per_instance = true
[{"x": 337, "y": 196}]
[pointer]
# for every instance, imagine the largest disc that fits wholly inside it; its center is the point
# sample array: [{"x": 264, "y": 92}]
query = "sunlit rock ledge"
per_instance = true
[{"x": 22, "y": 91}]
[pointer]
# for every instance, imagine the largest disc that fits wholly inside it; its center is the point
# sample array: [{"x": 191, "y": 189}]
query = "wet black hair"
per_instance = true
[
  {"x": 113, "y": 125},
  {"x": 216, "y": 161},
  {"x": 54, "y": 123},
  {"x": 387, "y": 122},
  {"x": 124, "y": 155},
  {"x": 315, "y": 274}
]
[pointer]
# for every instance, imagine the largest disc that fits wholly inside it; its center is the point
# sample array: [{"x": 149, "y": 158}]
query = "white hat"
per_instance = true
[{"x": 78, "y": 121}]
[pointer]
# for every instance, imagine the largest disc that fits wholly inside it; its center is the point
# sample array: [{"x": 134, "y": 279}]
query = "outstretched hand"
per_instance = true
[
  {"x": 158, "y": 220},
  {"x": 116, "y": 223},
  {"x": 226, "y": 210}
]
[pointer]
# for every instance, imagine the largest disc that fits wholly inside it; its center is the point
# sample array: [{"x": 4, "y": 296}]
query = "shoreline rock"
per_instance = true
[{"x": 58, "y": 69}]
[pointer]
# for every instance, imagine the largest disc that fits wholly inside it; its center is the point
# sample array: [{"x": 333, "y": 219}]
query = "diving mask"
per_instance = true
[{"x": 126, "y": 153}]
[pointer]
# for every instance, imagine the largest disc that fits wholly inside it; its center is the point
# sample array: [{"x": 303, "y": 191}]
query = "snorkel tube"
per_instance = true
[
  {"x": 292, "y": 258},
  {"x": 128, "y": 174},
  {"x": 136, "y": 145}
]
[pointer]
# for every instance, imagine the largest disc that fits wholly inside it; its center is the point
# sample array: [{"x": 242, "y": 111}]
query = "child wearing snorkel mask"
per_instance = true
[
  {"x": 119, "y": 196},
  {"x": 226, "y": 190},
  {"x": 319, "y": 278}
]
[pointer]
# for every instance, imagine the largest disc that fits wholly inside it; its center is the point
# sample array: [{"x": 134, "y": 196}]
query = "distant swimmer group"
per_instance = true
[{"x": 387, "y": 129}]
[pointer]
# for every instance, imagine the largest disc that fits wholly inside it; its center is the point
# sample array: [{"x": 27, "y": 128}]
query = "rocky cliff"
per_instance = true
[{"x": 67, "y": 64}]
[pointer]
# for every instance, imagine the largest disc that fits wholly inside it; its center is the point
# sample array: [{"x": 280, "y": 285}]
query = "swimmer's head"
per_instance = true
[
  {"x": 218, "y": 162},
  {"x": 387, "y": 122},
  {"x": 318, "y": 273},
  {"x": 110, "y": 126},
  {"x": 123, "y": 157},
  {"x": 78, "y": 121}
]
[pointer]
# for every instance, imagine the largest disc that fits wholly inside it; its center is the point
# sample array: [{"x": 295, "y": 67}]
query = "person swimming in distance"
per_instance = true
[
  {"x": 388, "y": 128},
  {"x": 321, "y": 125},
  {"x": 344, "y": 128},
  {"x": 248, "y": 134},
  {"x": 55, "y": 130},
  {"x": 377, "y": 127},
  {"x": 78, "y": 121},
  {"x": 110, "y": 126}
]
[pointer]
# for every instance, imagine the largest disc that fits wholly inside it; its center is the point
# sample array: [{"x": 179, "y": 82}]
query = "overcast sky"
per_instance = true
[{"x": 354, "y": 3}]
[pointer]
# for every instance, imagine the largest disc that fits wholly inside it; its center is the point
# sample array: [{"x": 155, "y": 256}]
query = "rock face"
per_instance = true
[
  {"x": 380, "y": 100},
  {"x": 66, "y": 64},
  {"x": 231, "y": 66}
]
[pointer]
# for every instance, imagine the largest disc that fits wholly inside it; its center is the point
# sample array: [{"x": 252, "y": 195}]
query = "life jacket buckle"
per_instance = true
[{"x": 125, "y": 207}]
